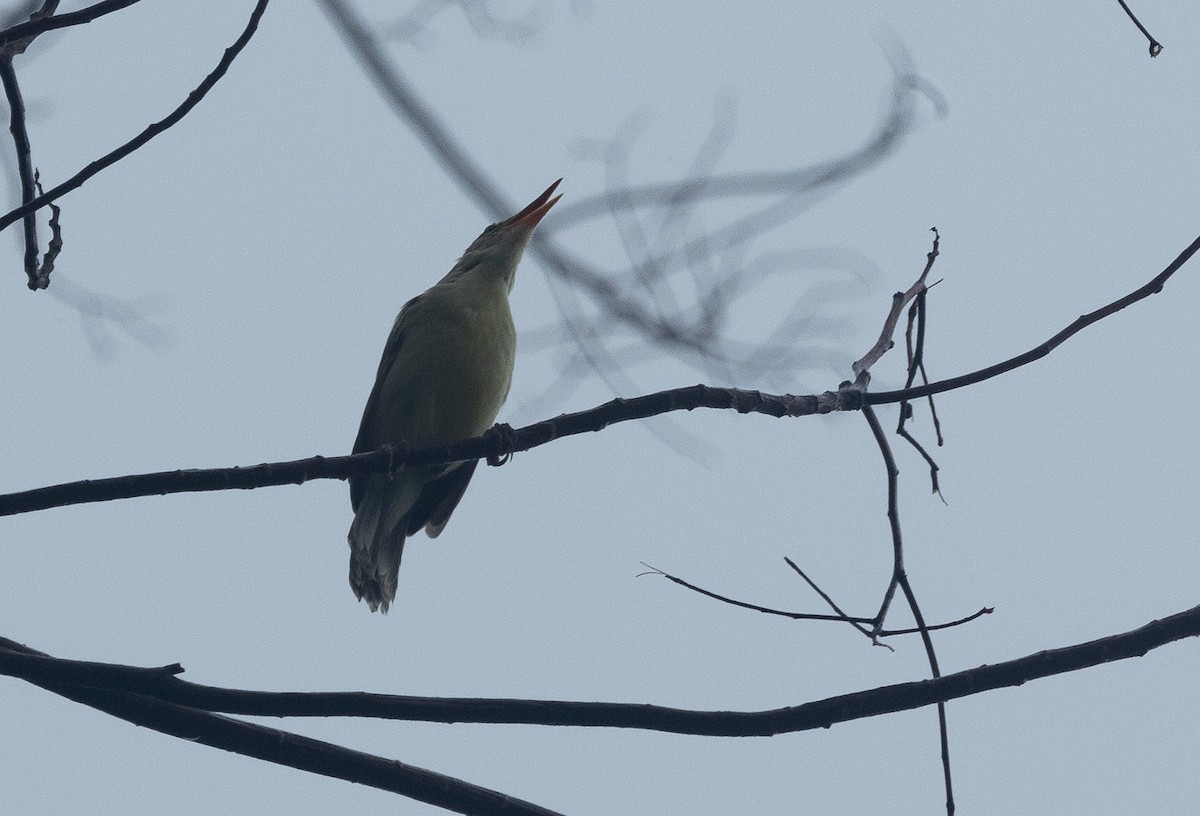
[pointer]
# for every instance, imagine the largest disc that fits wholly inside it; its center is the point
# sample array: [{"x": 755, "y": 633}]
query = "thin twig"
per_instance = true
[
  {"x": 1153, "y": 287},
  {"x": 931, "y": 655},
  {"x": 921, "y": 310},
  {"x": 986, "y": 610},
  {"x": 54, "y": 247},
  {"x": 1155, "y": 46},
  {"x": 916, "y": 364},
  {"x": 862, "y": 367},
  {"x": 855, "y": 622},
  {"x": 893, "y": 515},
  {"x": 840, "y": 617}
]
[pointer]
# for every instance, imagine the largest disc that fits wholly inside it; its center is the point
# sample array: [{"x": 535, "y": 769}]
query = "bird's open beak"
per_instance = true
[{"x": 531, "y": 215}]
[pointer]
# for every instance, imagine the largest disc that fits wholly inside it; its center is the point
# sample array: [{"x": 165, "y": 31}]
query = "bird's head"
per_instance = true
[{"x": 498, "y": 248}]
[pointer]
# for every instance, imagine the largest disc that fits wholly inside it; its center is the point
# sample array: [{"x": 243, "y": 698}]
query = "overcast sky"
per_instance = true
[{"x": 252, "y": 259}]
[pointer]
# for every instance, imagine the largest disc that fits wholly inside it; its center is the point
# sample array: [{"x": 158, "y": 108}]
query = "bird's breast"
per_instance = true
[{"x": 453, "y": 374}]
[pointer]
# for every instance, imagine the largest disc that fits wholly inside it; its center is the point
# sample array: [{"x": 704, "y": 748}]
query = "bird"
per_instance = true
[{"x": 445, "y": 372}]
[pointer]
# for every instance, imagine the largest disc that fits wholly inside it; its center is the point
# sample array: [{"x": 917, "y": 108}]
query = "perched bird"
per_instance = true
[{"x": 445, "y": 372}]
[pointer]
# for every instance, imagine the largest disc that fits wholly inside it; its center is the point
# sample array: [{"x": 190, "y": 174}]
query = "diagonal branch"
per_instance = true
[
  {"x": 149, "y": 133},
  {"x": 32, "y": 28}
]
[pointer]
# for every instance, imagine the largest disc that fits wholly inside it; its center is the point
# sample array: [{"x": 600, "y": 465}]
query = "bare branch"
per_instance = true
[
  {"x": 150, "y": 132},
  {"x": 25, "y": 171},
  {"x": 160, "y": 684},
  {"x": 490, "y": 444},
  {"x": 29, "y": 30},
  {"x": 268, "y": 744}
]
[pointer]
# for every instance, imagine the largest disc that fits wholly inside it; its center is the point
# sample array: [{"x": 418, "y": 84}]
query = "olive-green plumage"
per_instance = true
[{"x": 445, "y": 373}]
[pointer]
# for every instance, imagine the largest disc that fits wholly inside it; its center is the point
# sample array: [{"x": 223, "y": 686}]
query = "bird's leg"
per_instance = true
[{"x": 505, "y": 438}]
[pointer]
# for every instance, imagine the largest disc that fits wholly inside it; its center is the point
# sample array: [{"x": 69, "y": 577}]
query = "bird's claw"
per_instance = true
[{"x": 505, "y": 438}]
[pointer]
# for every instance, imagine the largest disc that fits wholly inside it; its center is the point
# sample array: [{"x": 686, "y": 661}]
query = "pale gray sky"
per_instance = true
[{"x": 274, "y": 233}]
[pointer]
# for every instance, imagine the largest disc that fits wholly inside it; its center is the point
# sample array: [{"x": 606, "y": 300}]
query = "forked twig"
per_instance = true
[{"x": 840, "y": 617}]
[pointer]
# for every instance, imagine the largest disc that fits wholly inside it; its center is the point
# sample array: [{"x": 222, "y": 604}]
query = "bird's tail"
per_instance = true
[{"x": 377, "y": 541}]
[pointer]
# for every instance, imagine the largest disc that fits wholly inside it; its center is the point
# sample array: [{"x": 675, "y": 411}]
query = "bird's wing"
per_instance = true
[
  {"x": 365, "y": 441},
  {"x": 439, "y": 498}
]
